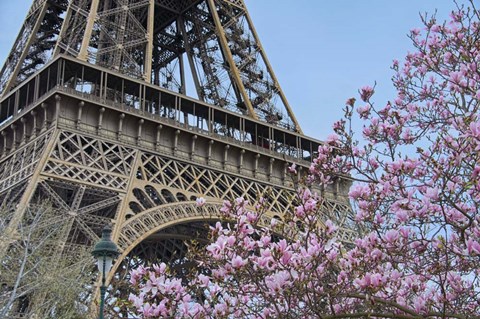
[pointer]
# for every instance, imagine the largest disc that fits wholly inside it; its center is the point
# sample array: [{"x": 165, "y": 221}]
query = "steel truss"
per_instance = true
[
  {"x": 158, "y": 41},
  {"x": 149, "y": 195},
  {"x": 94, "y": 120}
]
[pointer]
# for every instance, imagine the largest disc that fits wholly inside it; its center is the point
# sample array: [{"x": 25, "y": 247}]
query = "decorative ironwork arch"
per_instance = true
[{"x": 142, "y": 226}]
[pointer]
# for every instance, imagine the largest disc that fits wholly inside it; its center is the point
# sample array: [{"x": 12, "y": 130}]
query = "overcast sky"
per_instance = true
[{"x": 322, "y": 51}]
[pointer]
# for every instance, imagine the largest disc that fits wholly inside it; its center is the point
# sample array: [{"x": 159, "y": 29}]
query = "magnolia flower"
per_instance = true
[
  {"x": 200, "y": 201},
  {"x": 293, "y": 168},
  {"x": 366, "y": 93}
]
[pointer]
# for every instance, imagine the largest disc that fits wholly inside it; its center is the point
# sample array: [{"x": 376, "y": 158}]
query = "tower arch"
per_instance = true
[{"x": 99, "y": 124}]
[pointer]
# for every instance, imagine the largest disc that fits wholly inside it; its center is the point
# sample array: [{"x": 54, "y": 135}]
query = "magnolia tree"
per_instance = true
[{"x": 416, "y": 192}]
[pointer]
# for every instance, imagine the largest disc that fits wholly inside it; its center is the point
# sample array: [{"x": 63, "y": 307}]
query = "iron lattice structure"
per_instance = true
[
  {"x": 95, "y": 119},
  {"x": 150, "y": 40}
]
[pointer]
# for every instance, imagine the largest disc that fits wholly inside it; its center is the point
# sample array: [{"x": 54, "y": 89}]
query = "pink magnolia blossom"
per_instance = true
[
  {"x": 366, "y": 93},
  {"x": 200, "y": 201},
  {"x": 413, "y": 249}
]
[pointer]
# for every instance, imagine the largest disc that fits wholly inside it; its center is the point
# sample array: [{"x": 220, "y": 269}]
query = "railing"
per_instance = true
[
  {"x": 252, "y": 134},
  {"x": 174, "y": 123}
]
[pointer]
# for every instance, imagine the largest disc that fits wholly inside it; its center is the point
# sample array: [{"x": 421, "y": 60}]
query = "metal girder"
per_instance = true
[
  {"x": 22, "y": 46},
  {"x": 120, "y": 150},
  {"x": 95, "y": 177},
  {"x": 148, "y": 40}
]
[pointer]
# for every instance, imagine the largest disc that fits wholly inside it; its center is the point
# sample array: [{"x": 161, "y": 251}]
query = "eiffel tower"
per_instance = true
[{"x": 95, "y": 119}]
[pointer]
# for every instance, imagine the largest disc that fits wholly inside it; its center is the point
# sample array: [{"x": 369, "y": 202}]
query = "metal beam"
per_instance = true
[
  {"x": 228, "y": 55},
  {"x": 31, "y": 38},
  {"x": 270, "y": 70},
  {"x": 147, "y": 76},
  {"x": 92, "y": 16}
]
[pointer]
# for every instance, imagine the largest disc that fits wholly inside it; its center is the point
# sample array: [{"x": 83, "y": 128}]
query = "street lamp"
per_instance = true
[{"x": 105, "y": 252}]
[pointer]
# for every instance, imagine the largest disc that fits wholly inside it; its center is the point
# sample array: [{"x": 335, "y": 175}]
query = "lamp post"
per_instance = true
[{"x": 105, "y": 252}]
